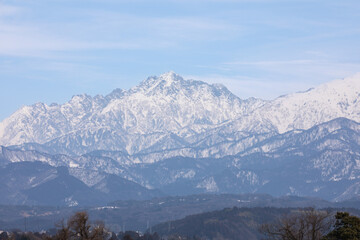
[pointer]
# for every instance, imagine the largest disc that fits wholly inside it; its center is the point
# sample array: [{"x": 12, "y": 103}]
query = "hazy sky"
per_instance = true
[{"x": 51, "y": 50}]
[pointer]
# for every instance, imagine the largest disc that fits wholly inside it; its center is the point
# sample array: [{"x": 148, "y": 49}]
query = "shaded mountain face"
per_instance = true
[
  {"x": 16, "y": 177},
  {"x": 187, "y": 137},
  {"x": 64, "y": 189},
  {"x": 122, "y": 189},
  {"x": 37, "y": 183}
]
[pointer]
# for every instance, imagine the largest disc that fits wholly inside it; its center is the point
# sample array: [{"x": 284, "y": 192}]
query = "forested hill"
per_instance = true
[{"x": 229, "y": 223}]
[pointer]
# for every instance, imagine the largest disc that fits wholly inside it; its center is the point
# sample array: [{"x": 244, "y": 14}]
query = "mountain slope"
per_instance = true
[
  {"x": 64, "y": 189},
  {"x": 229, "y": 223},
  {"x": 121, "y": 189},
  {"x": 37, "y": 183},
  {"x": 145, "y": 114},
  {"x": 339, "y": 98},
  {"x": 322, "y": 161}
]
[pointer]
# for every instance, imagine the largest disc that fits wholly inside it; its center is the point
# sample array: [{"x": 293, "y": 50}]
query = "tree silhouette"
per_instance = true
[
  {"x": 79, "y": 228},
  {"x": 303, "y": 224}
]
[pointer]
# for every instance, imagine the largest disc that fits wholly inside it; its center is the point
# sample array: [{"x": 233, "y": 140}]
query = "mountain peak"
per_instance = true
[
  {"x": 116, "y": 93},
  {"x": 163, "y": 81},
  {"x": 170, "y": 76}
]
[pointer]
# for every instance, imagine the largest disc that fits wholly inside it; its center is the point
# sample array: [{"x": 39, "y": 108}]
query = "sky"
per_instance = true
[{"x": 51, "y": 50}]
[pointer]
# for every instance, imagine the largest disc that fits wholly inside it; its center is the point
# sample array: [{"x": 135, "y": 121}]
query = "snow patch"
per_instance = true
[{"x": 209, "y": 185}]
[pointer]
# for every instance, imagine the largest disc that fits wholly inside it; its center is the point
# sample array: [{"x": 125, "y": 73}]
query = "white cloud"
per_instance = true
[
  {"x": 302, "y": 68},
  {"x": 95, "y": 30}
]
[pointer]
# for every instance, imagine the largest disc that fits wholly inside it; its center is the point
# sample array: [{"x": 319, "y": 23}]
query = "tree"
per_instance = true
[
  {"x": 345, "y": 227},
  {"x": 79, "y": 225},
  {"x": 63, "y": 233},
  {"x": 304, "y": 224},
  {"x": 98, "y": 231},
  {"x": 4, "y": 236},
  {"x": 79, "y": 228}
]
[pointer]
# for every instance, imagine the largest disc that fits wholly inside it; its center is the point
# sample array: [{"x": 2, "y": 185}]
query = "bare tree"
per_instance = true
[
  {"x": 79, "y": 228},
  {"x": 304, "y": 224},
  {"x": 63, "y": 233},
  {"x": 79, "y": 225},
  {"x": 98, "y": 231}
]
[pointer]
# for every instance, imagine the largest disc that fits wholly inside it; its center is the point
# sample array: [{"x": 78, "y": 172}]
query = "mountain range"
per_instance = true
[{"x": 186, "y": 137}]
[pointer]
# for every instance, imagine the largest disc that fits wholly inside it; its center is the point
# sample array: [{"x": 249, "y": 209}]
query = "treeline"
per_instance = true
[
  {"x": 230, "y": 223},
  {"x": 311, "y": 224},
  {"x": 265, "y": 223},
  {"x": 127, "y": 235},
  {"x": 78, "y": 227}
]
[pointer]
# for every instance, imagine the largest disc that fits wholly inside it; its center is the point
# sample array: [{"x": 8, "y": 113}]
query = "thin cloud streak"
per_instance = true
[
  {"x": 175, "y": 28},
  {"x": 282, "y": 76},
  {"x": 247, "y": 87},
  {"x": 273, "y": 62},
  {"x": 147, "y": 33},
  {"x": 308, "y": 68}
]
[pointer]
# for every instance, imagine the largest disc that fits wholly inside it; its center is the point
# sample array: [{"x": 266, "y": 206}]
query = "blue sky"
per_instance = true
[{"x": 52, "y": 50}]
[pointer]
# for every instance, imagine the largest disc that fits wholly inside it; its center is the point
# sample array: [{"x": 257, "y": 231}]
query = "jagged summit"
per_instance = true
[
  {"x": 116, "y": 93},
  {"x": 170, "y": 77},
  {"x": 163, "y": 105},
  {"x": 165, "y": 78},
  {"x": 156, "y": 83},
  {"x": 172, "y": 84}
]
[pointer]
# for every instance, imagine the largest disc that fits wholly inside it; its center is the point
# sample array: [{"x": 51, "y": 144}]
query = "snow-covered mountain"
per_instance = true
[
  {"x": 323, "y": 161},
  {"x": 168, "y": 113},
  {"x": 339, "y": 98},
  {"x": 197, "y": 138},
  {"x": 165, "y": 110}
]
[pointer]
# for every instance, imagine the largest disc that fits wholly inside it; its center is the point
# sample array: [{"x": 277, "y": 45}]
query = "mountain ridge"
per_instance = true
[
  {"x": 322, "y": 161},
  {"x": 128, "y": 113},
  {"x": 170, "y": 107}
]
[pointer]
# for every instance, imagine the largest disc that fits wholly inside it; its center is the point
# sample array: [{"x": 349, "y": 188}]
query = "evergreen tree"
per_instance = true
[{"x": 346, "y": 227}]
